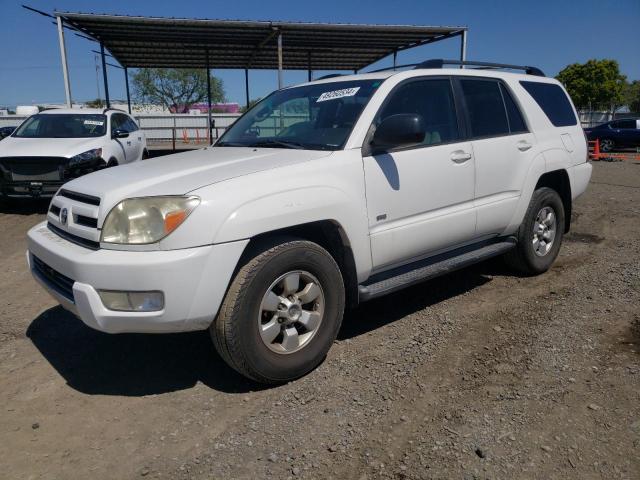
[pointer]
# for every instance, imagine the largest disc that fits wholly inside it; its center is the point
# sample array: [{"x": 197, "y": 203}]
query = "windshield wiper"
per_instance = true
[{"x": 277, "y": 143}]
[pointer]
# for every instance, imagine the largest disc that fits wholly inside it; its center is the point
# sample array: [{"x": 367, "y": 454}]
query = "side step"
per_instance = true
[{"x": 426, "y": 269}]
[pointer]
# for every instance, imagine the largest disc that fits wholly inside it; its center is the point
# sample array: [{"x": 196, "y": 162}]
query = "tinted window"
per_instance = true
[
  {"x": 433, "y": 100},
  {"x": 131, "y": 125},
  {"x": 122, "y": 122},
  {"x": 516, "y": 122},
  {"x": 624, "y": 124},
  {"x": 553, "y": 101},
  {"x": 485, "y": 106}
]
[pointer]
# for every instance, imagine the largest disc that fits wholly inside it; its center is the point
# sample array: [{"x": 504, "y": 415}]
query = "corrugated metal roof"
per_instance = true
[{"x": 237, "y": 44}]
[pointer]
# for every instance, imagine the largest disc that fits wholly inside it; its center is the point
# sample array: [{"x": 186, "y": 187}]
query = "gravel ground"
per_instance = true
[{"x": 480, "y": 374}]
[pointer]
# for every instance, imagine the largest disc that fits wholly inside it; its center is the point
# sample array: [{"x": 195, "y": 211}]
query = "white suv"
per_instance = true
[
  {"x": 323, "y": 195},
  {"x": 58, "y": 145}
]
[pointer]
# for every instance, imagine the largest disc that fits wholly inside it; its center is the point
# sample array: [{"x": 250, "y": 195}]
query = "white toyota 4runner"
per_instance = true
[{"x": 323, "y": 195}]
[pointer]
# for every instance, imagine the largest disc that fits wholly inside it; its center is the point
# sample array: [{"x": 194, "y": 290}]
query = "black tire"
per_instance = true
[
  {"x": 145, "y": 154},
  {"x": 523, "y": 257},
  {"x": 112, "y": 163},
  {"x": 235, "y": 331}
]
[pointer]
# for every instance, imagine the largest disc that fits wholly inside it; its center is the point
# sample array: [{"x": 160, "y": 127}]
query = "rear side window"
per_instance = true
[
  {"x": 486, "y": 109},
  {"x": 516, "y": 122},
  {"x": 553, "y": 101}
]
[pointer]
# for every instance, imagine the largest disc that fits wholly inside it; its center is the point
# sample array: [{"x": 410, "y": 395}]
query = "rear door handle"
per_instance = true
[
  {"x": 460, "y": 156},
  {"x": 523, "y": 145}
]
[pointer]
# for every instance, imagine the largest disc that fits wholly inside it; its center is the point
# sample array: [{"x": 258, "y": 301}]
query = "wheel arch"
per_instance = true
[
  {"x": 558, "y": 180},
  {"x": 330, "y": 235}
]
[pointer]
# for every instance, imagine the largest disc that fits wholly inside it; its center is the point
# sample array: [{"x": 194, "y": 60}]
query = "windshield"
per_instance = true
[
  {"x": 62, "y": 125},
  {"x": 313, "y": 117}
]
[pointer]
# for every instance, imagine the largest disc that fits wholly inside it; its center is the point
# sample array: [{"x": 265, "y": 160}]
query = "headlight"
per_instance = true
[
  {"x": 146, "y": 220},
  {"x": 85, "y": 157}
]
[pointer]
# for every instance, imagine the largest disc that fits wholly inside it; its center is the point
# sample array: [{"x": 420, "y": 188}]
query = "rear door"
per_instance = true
[
  {"x": 503, "y": 149},
  {"x": 420, "y": 198}
]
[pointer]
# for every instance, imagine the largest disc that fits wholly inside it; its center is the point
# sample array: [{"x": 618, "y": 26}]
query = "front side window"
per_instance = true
[
  {"x": 553, "y": 102},
  {"x": 314, "y": 117},
  {"x": 62, "y": 125},
  {"x": 431, "y": 99},
  {"x": 624, "y": 124},
  {"x": 485, "y": 107}
]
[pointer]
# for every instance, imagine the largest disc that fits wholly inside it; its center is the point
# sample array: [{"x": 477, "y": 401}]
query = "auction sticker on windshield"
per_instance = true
[
  {"x": 94, "y": 122},
  {"x": 345, "y": 92}
]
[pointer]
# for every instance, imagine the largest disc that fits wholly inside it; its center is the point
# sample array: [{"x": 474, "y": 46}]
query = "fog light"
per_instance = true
[{"x": 132, "y": 301}]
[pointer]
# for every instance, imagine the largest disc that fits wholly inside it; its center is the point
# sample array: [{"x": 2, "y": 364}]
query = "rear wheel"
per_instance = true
[
  {"x": 607, "y": 145},
  {"x": 282, "y": 312},
  {"x": 112, "y": 163},
  {"x": 540, "y": 234}
]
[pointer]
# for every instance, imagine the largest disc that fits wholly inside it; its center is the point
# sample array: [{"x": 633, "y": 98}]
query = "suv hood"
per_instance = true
[
  {"x": 47, "y": 147},
  {"x": 181, "y": 173}
]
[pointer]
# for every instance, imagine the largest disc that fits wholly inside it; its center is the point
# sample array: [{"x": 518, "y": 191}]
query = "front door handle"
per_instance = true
[
  {"x": 460, "y": 156},
  {"x": 523, "y": 145}
]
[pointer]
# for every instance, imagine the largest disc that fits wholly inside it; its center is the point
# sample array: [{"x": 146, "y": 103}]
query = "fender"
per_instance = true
[
  {"x": 300, "y": 206},
  {"x": 536, "y": 170}
]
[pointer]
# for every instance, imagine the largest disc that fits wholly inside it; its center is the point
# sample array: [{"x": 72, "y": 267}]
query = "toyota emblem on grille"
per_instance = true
[{"x": 63, "y": 216}]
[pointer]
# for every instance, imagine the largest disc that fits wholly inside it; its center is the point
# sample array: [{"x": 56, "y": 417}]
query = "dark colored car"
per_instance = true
[
  {"x": 6, "y": 131},
  {"x": 622, "y": 133}
]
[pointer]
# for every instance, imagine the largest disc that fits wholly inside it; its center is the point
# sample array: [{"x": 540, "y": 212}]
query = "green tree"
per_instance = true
[
  {"x": 174, "y": 87},
  {"x": 596, "y": 84},
  {"x": 97, "y": 103},
  {"x": 632, "y": 96}
]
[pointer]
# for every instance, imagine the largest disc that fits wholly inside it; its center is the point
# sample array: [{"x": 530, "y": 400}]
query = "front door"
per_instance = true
[
  {"x": 420, "y": 199},
  {"x": 128, "y": 145}
]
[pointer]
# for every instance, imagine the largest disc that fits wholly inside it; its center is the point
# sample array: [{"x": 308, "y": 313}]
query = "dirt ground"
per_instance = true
[{"x": 480, "y": 374}]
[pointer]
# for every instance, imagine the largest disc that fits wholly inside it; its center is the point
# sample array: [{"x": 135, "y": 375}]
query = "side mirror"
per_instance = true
[
  {"x": 399, "y": 130},
  {"x": 119, "y": 133}
]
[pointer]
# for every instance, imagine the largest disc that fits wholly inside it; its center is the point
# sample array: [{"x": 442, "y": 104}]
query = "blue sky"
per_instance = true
[{"x": 548, "y": 34}]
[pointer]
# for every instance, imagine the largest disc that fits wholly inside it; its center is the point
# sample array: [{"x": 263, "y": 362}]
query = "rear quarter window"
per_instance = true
[{"x": 553, "y": 102}]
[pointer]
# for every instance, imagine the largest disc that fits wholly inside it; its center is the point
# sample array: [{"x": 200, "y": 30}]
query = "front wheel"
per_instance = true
[
  {"x": 540, "y": 234},
  {"x": 281, "y": 313}
]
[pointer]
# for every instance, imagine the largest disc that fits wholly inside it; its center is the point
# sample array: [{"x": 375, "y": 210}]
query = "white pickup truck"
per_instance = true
[{"x": 323, "y": 195}]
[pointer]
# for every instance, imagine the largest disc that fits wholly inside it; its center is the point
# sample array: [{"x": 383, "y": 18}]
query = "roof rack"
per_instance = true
[
  {"x": 331, "y": 75},
  {"x": 439, "y": 63}
]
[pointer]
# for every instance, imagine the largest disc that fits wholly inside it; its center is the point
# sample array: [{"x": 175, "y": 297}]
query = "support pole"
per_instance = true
[
  {"x": 279, "y": 60},
  {"x": 209, "y": 123},
  {"x": 104, "y": 77},
  {"x": 246, "y": 86},
  {"x": 395, "y": 57},
  {"x": 309, "y": 66},
  {"x": 126, "y": 81},
  {"x": 463, "y": 47},
  {"x": 65, "y": 67}
]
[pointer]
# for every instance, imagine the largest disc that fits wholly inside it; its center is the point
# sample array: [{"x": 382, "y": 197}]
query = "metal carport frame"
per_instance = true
[{"x": 138, "y": 42}]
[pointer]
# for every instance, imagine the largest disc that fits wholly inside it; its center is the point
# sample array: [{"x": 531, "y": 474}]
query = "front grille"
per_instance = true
[
  {"x": 55, "y": 210},
  {"x": 86, "y": 221},
  {"x": 84, "y": 242},
  {"x": 22, "y": 169},
  {"x": 58, "y": 282},
  {"x": 79, "y": 197}
]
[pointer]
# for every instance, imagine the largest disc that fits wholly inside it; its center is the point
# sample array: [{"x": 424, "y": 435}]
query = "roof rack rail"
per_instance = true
[
  {"x": 439, "y": 63},
  {"x": 331, "y": 75}
]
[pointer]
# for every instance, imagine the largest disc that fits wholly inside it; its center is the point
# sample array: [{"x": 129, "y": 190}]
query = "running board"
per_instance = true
[{"x": 413, "y": 273}]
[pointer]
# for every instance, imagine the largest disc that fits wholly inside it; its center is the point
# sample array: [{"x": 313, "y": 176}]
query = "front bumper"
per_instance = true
[{"x": 193, "y": 280}]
